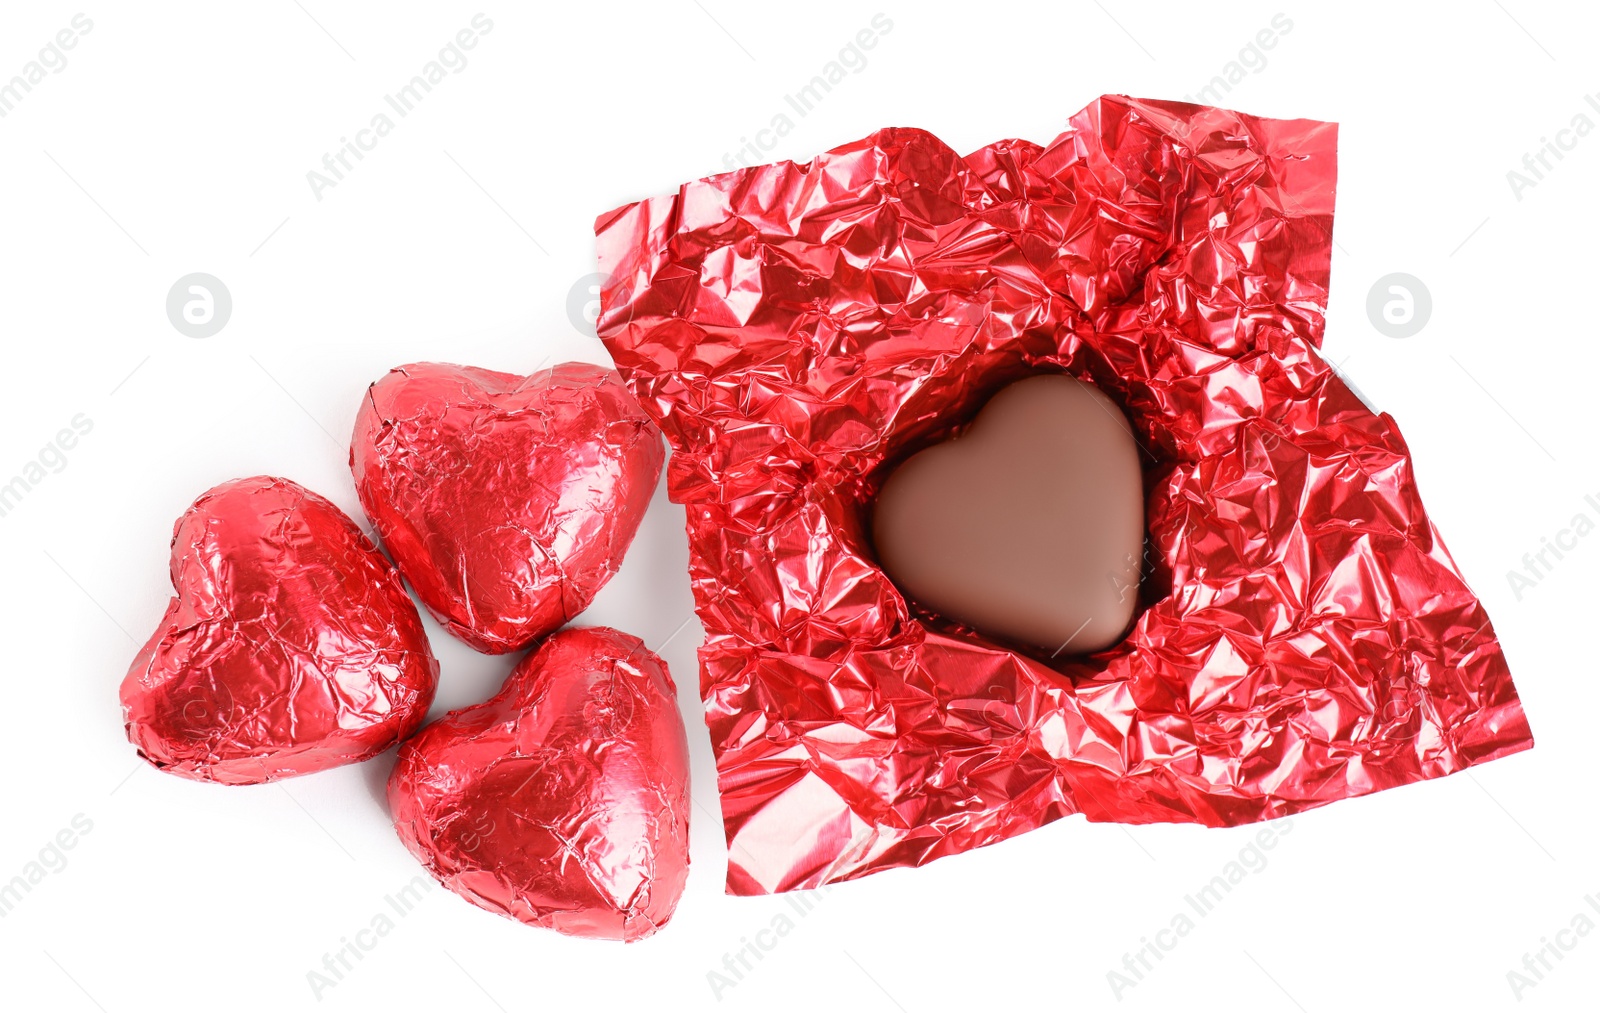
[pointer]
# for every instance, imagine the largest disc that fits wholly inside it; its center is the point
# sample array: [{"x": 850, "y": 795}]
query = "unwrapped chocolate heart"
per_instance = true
[
  {"x": 1028, "y": 527},
  {"x": 506, "y": 501},
  {"x": 290, "y": 647},
  {"x": 563, "y": 801}
]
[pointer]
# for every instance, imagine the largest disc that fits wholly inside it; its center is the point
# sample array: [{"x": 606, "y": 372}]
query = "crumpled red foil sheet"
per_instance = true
[
  {"x": 507, "y": 501},
  {"x": 796, "y": 327},
  {"x": 290, "y": 645},
  {"x": 564, "y": 800}
]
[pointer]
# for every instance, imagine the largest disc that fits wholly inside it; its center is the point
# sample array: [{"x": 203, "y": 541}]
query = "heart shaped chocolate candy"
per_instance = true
[
  {"x": 1029, "y": 527},
  {"x": 564, "y": 800},
  {"x": 289, "y": 645},
  {"x": 506, "y": 501}
]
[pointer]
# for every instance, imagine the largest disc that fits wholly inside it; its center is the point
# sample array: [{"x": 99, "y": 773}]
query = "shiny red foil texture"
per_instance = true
[
  {"x": 799, "y": 329},
  {"x": 290, "y": 646},
  {"x": 506, "y": 501},
  {"x": 564, "y": 800}
]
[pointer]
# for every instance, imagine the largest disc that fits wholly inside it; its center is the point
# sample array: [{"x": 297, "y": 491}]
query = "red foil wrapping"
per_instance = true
[
  {"x": 290, "y": 647},
  {"x": 797, "y": 329},
  {"x": 563, "y": 801},
  {"x": 506, "y": 501}
]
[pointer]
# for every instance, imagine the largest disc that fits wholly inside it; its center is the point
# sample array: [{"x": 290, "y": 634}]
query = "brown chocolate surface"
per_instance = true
[{"x": 1029, "y": 526}]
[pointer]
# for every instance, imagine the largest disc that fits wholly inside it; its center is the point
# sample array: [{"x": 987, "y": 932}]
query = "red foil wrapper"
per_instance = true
[
  {"x": 291, "y": 645},
  {"x": 563, "y": 801},
  {"x": 506, "y": 501},
  {"x": 797, "y": 329}
]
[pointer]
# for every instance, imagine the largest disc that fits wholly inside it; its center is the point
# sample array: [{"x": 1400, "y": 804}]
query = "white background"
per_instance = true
[{"x": 178, "y": 138}]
